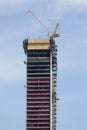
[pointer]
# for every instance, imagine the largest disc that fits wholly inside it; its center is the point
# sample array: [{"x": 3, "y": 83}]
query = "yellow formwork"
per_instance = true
[{"x": 38, "y": 43}]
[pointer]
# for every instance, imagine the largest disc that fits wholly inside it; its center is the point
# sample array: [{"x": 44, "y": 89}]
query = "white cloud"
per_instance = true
[
  {"x": 75, "y": 1},
  {"x": 14, "y": 6},
  {"x": 10, "y": 6},
  {"x": 5, "y": 3},
  {"x": 64, "y": 5},
  {"x": 69, "y": 5},
  {"x": 8, "y": 3},
  {"x": 72, "y": 2}
]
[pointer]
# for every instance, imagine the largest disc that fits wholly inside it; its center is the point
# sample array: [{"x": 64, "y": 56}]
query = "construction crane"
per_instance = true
[{"x": 51, "y": 34}]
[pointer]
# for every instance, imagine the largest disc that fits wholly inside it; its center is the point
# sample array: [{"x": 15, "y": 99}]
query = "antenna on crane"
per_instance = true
[{"x": 51, "y": 34}]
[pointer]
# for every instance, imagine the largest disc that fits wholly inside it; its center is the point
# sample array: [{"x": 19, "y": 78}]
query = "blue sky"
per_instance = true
[{"x": 16, "y": 25}]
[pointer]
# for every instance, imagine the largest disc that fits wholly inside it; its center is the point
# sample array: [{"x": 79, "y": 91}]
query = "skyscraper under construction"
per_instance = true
[{"x": 41, "y": 83}]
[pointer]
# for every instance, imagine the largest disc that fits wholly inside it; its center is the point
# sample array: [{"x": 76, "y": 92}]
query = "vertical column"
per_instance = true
[{"x": 51, "y": 122}]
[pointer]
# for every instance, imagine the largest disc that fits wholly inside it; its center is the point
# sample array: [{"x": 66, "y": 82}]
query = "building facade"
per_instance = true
[{"x": 41, "y": 82}]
